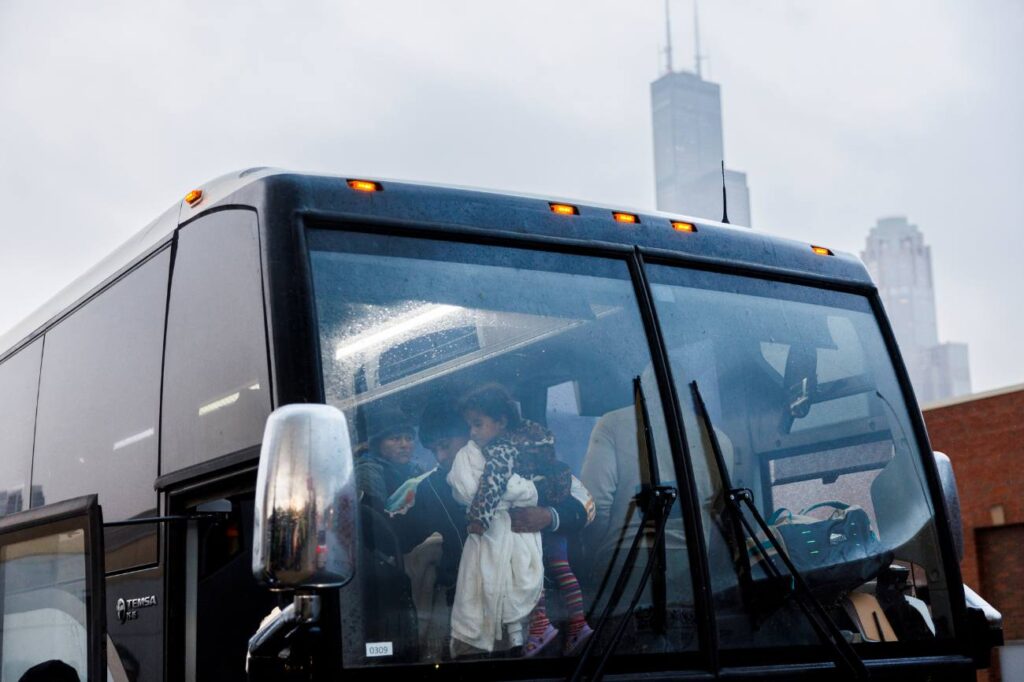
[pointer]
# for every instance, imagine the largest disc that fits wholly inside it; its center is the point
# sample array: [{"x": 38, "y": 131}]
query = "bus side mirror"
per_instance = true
[
  {"x": 305, "y": 526},
  {"x": 951, "y": 499}
]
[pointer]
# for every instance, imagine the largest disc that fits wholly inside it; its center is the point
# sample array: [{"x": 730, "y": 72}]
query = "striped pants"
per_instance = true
[{"x": 556, "y": 563}]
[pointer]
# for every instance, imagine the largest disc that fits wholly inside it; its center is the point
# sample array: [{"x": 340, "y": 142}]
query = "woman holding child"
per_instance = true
[{"x": 510, "y": 462}]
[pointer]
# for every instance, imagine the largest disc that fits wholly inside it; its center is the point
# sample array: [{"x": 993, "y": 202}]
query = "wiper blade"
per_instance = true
[
  {"x": 648, "y": 458},
  {"x": 844, "y": 655},
  {"x": 656, "y": 502}
]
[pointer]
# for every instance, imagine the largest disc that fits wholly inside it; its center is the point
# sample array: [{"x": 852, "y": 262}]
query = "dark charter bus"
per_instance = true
[{"x": 310, "y": 427}]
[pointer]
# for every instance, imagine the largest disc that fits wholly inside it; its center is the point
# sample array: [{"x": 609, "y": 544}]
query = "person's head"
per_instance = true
[
  {"x": 490, "y": 412},
  {"x": 392, "y": 436},
  {"x": 53, "y": 670},
  {"x": 443, "y": 431}
]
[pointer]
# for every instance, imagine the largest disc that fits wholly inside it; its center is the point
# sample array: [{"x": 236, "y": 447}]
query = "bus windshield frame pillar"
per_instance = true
[{"x": 707, "y": 628}]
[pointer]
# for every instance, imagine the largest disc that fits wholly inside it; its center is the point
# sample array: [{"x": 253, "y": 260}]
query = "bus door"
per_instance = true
[
  {"x": 221, "y": 604},
  {"x": 52, "y": 617}
]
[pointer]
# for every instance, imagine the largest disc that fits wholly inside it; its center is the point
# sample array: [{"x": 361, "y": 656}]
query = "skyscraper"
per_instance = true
[
  {"x": 688, "y": 146},
  {"x": 901, "y": 265}
]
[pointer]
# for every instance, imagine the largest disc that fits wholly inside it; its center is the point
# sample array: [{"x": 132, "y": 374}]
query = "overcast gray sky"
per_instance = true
[{"x": 840, "y": 112}]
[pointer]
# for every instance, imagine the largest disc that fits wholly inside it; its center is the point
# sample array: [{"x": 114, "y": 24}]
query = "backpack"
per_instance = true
[{"x": 834, "y": 555}]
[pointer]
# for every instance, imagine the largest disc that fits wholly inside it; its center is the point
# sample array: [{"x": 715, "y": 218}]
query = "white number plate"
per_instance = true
[{"x": 379, "y": 649}]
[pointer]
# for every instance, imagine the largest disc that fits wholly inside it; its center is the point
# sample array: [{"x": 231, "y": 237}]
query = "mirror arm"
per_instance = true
[
  {"x": 164, "y": 519},
  {"x": 268, "y": 640}
]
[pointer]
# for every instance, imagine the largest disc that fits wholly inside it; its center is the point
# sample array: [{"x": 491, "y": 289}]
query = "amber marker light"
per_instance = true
[
  {"x": 564, "y": 209},
  {"x": 365, "y": 185},
  {"x": 621, "y": 217},
  {"x": 194, "y": 197},
  {"x": 680, "y": 226},
  {"x": 821, "y": 250}
]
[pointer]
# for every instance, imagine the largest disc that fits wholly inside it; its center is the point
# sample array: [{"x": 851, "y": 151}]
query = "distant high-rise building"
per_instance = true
[
  {"x": 688, "y": 146},
  {"x": 901, "y": 265}
]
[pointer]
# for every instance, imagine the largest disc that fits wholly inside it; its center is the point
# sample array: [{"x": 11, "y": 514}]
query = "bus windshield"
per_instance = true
[
  {"x": 489, "y": 393},
  {"x": 802, "y": 392}
]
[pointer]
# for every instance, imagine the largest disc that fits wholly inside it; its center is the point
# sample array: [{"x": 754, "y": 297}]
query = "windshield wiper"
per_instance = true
[
  {"x": 844, "y": 655},
  {"x": 655, "y": 502}
]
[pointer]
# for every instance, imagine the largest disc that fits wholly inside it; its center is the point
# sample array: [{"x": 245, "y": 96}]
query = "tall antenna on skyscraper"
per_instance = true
[
  {"x": 697, "y": 56},
  {"x": 668, "y": 40},
  {"x": 725, "y": 198}
]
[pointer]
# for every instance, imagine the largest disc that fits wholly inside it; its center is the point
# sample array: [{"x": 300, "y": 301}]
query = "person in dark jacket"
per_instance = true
[
  {"x": 428, "y": 524},
  {"x": 383, "y": 465},
  {"x": 387, "y": 461},
  {"x": 424, "y": 505}
]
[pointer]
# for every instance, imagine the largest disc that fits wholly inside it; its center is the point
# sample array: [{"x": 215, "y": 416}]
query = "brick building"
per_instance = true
[{"x": 983, "y": 434}]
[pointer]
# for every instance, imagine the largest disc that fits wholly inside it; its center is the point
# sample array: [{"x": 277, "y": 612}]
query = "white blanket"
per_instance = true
[{"x": 501, "y": 573}]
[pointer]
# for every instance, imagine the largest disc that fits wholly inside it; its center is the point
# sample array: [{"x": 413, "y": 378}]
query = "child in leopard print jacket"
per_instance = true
[{"x": 513, "y": 445}]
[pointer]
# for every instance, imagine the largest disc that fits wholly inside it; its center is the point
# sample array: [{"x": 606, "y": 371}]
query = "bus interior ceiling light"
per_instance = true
[
  {"x": 365, "y": 185},
  {"x": 564, "y": 209},
  {"x": 821, "y": 250},
  {"x": 219, "y": 403},
  {"x": 680, "y": 226},
  {"x": 131, "y": 440},
  {"x": 623, "y": 217},
  {"x": 420, "y": 317},
  {"x": 194, "y": 197}
]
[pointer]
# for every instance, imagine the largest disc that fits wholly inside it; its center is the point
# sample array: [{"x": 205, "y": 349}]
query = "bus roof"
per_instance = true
[{"x": 447, "y": 207}]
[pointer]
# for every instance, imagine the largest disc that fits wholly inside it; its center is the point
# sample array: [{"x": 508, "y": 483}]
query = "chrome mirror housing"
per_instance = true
[
  {"x": 951, "y": 499},
  {"x": 305, "y": 526}
]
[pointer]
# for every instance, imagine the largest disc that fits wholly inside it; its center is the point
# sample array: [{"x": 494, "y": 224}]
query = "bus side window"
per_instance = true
[
  {"x": 216, "y": 393},
  {"x": 19, "y": 385},
  {"x": 99, "y": 398}
]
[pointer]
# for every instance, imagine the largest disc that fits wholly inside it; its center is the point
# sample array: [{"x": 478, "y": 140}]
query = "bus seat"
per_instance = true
[
  {"x": 867, "y": 614},
  {"x": 421, "y": 567},
  {"x": 901, "y": 516}
]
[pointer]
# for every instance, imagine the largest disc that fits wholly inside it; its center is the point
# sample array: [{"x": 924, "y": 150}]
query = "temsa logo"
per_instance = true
[{"x": 128, "y": 609}]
